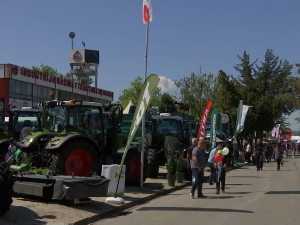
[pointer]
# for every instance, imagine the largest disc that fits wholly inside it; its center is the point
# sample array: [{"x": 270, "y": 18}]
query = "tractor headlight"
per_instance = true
[{"x": 30, "y": 140}]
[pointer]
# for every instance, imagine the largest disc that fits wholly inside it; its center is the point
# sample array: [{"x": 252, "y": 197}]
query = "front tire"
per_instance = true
[{"x": 6, "y": 188}]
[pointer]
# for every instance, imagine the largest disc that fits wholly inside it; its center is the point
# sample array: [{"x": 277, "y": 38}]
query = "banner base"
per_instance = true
[{"x": 113, "y": 200}]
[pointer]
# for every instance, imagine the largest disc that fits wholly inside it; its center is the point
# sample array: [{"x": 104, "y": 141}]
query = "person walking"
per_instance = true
[
  {"x": 221, "y": 171},
  {"x": 278, "y": 155},
  {"x": 197, "y": 165},
  {"x": 211, "y": 163},
  {"x": 259, "y": 151},
  {"x": 189, "y": 151},
  {"x": 248, "y": 153}
]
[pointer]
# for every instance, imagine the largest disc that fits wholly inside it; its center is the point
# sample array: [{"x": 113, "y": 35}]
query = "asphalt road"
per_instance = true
[{"x": 252, "y": 197}]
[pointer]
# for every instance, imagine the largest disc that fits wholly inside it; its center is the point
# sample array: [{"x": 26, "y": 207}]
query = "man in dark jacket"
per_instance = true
[{"x": 259, "y": 155}]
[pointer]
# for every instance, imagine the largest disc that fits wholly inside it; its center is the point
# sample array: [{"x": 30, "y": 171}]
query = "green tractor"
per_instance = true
[
  {"x": 20, "y": 123},
  {"x": 172, "y": 129},
  {"x": 162, "y": 129},
  {"x": 77, "y": 138}
]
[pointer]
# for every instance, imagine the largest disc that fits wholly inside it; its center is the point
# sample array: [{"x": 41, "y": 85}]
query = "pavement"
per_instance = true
[
  {"x": 252, "y": 197},
  {"x": 36, "y": 212}
]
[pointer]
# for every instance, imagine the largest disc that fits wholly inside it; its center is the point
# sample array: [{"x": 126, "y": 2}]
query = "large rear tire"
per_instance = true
[
  {"x": 78, "y": 158},
  {"x": 133, "y": 167},
  {"x": 6, "y": 188},
  {"x": 153, "y": 166}
]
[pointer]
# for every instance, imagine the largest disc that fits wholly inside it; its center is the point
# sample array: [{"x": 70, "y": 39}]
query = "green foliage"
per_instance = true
[
  {"x": 226, "y": 97},
  {"x": 53, "y": 72},
  {"x": 196, "y": 90},
  {"x": 267, "y": 88},
  {"x": 166, "y": 104},
  {"x": 180, "y": 164},
  {"x": 133, "y": 93},
  {"x": 47, "y": 70},
  {"x": 171, "y": 164}
]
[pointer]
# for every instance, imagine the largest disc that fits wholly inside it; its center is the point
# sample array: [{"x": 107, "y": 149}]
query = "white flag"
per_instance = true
[
  {"x": 147, "y": 11},
  {"x": 275, "y": 131},
  {"x": 244, "y": 114}
]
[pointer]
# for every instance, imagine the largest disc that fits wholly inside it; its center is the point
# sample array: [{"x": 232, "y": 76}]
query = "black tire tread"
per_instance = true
[
  {"x": 6, "y": 188},
  {"x": 132, "y": 154},
  {"x": 153, "y": 166}
]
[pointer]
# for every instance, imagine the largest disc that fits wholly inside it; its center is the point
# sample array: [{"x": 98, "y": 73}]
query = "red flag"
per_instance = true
[
  {"x": 202, "y": 127},
  {"x": 147, "y": 11},
  {"x": 288, "y": 133}
]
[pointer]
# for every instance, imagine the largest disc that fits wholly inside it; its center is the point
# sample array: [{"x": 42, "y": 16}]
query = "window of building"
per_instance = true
[{"x": 17, "y": 87}]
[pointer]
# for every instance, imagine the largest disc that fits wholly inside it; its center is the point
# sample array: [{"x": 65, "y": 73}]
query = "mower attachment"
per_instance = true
[{"x": 61, "y": 187}]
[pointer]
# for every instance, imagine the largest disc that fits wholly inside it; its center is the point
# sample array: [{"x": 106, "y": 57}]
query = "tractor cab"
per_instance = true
[
  {"x": 23, "y": 121},
  {"x": 20, "y": 123},
  {"x": 163, "y": 125}
]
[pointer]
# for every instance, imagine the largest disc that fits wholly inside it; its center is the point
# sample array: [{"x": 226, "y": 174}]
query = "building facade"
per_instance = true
[{"x": 20, "y": 87}]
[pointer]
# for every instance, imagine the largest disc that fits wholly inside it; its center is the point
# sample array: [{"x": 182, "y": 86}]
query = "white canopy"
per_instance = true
[{"x": 126, "y": 110}]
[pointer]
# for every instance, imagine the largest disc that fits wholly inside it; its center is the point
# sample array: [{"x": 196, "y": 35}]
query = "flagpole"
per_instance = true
[{"x": 143, "y": 119}]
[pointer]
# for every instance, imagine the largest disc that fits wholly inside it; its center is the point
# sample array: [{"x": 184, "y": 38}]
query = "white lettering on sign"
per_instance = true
[
  {"x": 203, "y": 125},
  {"x": 62, "y": 81},
  {"x": 141, "y": 110},
  {"x": 214, "y": 131}
]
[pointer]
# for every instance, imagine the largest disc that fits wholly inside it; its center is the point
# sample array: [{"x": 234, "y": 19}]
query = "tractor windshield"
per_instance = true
[
  {"x": 54, "y": 118},
  {"x": 27, "y": 119},
  {"x": 170, "y": 127},
  {"x": 87, "y": 119},
  {"x": 24, "y": 123}
]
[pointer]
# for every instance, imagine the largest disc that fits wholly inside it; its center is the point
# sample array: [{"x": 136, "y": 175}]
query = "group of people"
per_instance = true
[
  {"x": 267, "y": 152},
  {"x": 196, "y": 162}
]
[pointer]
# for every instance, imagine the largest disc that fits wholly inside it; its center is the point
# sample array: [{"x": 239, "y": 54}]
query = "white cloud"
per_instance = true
[{"x": 167, "y": 85}]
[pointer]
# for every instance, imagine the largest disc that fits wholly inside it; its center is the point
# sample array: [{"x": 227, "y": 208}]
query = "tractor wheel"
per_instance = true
[
  {"x": 153, "y": 166},
  {"x": 6, "y": 188},
  {"x": 133, "y": 167},
  {"x": 78, "y": 158}
]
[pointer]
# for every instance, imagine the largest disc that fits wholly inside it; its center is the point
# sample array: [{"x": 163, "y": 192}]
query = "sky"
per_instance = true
[{"x": 184, "y": 36}]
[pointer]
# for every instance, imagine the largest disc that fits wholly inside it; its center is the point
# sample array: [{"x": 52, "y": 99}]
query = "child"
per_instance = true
[{"x": 221, "y": 171}]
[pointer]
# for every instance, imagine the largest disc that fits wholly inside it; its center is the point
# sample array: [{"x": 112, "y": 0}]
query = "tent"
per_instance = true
[{"x": 129, "y": 108}]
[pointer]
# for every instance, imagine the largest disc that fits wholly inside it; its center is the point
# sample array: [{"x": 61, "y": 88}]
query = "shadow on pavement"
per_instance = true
[
  {"x": 238, "y": 184},
  {"x": 17, "y": 214},
  {"x": 238, "y": 193},
  {"x": 193, "y": 209},
  {"x": 221, "y": 197},
  {"x": 247, "y": 176},
  {"x": 282, "y": 193}
]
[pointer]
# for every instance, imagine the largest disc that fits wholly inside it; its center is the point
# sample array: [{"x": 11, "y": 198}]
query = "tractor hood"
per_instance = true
[{"x": 33, "y": 137}]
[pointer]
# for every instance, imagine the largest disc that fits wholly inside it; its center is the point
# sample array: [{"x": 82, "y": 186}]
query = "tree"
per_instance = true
[
  {"x": 267, "y": 88},
  {"x": 47, "y": 70},
  {"x": 167, "y": 103},
  {"x": 196, "y": 90},
  {"x": 133, "y": 93},
  {"x": 53, "y": 72},
  {"x": 226, "y": 97}
]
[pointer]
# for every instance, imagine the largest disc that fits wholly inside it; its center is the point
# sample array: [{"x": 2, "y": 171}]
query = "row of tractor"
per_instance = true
[{"x": 58, "y": 152}]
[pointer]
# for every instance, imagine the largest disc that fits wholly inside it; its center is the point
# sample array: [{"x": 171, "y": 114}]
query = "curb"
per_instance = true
[{"x": 116, "y": 210}]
